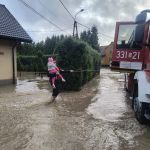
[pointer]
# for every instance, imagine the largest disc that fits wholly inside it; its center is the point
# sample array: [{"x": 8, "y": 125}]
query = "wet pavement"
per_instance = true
[{"x": 99, "y": 117}]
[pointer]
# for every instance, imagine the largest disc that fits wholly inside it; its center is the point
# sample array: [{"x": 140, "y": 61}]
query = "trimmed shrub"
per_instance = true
[
  {"x": 74, "y": 54},
  {"x": 26, "y": 63},
  {"x": 33, "y": 63}
]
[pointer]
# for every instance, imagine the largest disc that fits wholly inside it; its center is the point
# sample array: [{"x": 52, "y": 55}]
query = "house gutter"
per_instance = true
[{"x": 13, "y": 62}]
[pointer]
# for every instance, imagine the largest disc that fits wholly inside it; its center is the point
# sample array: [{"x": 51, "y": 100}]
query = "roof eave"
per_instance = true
[{"x": 16, "y": 39}]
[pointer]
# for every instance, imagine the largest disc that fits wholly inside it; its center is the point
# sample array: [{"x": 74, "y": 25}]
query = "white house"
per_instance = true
[{"x": 11, "y": 34}]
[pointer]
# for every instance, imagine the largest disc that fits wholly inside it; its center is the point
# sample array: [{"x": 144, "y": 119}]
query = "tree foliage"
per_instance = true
[
  {"x": 91, "y": 37},
  {"x": 46, "y": 47},
  {"x": 74, "y": 54}
]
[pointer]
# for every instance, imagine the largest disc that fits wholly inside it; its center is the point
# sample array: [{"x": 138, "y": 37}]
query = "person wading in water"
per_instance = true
[{"x": 54, "y": 77}]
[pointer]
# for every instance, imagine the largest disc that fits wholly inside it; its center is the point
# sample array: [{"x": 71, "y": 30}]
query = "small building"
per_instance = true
[
  {"x": 11, "y": 34},
  {"x": 106, "y": 53}
]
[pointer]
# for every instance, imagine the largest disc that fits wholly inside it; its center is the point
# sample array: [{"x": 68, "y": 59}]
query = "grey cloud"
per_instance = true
[{"x": 102, "y": 13}]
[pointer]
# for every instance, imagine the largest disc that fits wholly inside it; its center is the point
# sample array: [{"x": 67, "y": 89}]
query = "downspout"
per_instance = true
[{"x": 13, "y": 62}]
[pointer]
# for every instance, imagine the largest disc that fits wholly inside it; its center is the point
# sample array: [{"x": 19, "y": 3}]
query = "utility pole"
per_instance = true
[
  {"x": 75, "y": 25},
  {"x": 75, "y": 29}
]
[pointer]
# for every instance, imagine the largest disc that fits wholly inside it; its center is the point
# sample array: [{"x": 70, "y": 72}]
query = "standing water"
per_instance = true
[{"x": 99, "y": 117}]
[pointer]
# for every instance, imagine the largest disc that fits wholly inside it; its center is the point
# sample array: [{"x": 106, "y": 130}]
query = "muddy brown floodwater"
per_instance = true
[{"x": 99, "y": 117}]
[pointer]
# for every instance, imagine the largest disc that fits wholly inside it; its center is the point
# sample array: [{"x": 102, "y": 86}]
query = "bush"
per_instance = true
[
  {"x": 73, "y": 54},
  {"x": 33, "y": 63},
  {"x": 26, "y": 63},
  {"x": 77, "y": 55}
]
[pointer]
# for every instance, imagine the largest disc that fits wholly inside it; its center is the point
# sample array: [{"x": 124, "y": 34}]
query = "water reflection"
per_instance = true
[
  {"x": 109, "y": 103},
  {"x": 97, "y": 118},
  {"x": 29, "y": 86},
  {"x": 27, "y": 83}
]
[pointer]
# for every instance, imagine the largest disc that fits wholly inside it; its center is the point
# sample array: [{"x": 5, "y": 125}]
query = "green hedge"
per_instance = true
[
  {"x": 74, "y": 54},
  {"x": 32, "y": 63}
]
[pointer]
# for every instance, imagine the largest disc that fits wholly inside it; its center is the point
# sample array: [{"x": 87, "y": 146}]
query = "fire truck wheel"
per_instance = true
[{"x": 139, "y": 109}]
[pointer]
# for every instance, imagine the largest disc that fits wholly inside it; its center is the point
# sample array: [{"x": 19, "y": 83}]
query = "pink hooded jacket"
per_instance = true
[{"x": 52, "y": 68}]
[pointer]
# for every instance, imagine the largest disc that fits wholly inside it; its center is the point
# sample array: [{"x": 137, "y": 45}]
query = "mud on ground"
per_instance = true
[{"x": 99, "y": 117}]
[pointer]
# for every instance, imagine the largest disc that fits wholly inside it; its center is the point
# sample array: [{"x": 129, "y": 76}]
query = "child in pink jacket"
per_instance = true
[{"x": 53, "y": 71}]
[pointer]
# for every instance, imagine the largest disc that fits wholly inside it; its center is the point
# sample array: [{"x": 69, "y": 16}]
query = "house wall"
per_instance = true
[
  {"x": 6, "y": 63},
  {"x": 108, "y": 54}
]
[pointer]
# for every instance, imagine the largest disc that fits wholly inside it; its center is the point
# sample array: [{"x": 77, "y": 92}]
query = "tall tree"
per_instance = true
[
  {"x": 83, "y": 36},
  {"x": 26, "y": 49},
  {"x": 91, "y": 37},
  {"x": 94, "y": 38},
  {"x": 40, "y": 47},
  {"x": 47, "y": 46}
]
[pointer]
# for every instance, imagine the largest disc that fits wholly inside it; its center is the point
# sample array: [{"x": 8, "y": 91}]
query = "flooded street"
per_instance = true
[{"x": 99, "y": 117}]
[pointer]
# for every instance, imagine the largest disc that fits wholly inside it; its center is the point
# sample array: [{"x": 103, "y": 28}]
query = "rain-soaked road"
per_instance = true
[{"x": 99, "y": 117}]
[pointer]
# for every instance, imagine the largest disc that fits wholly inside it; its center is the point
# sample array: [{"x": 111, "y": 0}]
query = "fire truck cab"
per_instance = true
[{"x": 131, "y": 54}]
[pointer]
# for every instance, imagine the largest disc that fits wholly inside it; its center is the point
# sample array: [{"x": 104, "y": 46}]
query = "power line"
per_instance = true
[
  {"x": 79, "y": 22},
  {"x": 75, "y": 28},
  {"x": 83, "y": 25},
  {"x": 98, "y": 32},
  {"x": 104, "y": 39},
  {"x": 37, "y": 13},
  {"x": 44, "y": 31},
  {"x": 66, "y": 9},
  {"x": 47, "y": 8},
  {"x": 50, "y": 12},
  {"x": 75, "y": 22},
  {"x": 48, "y": 31},
  {"x": 107, "y": 36}
]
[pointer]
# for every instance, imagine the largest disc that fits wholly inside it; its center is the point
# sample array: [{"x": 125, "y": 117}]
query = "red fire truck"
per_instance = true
[{"x": 131, "y": 54}]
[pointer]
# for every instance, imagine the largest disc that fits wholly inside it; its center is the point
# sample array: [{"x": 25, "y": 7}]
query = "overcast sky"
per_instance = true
[{"x": 102, "y": 13}]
